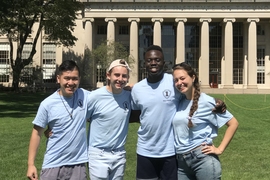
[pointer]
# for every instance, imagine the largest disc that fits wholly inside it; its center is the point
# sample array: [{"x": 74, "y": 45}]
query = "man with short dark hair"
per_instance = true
[{"x": 65, "y": 113}]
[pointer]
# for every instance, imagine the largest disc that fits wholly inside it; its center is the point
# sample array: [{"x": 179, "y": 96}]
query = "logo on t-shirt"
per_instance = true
[
  {"x": 125, "y": 105},
  {"x": 167, "y": 93},
  {"x": 80, "y": 103}
]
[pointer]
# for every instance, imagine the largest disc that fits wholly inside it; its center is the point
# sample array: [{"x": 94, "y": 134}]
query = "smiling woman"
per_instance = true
[{"x": 195, "y": 127}]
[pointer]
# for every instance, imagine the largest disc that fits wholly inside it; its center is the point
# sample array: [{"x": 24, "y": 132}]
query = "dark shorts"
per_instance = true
[
  {"x": 156, "y": 168},
  {"x": 71, "y": 172}
]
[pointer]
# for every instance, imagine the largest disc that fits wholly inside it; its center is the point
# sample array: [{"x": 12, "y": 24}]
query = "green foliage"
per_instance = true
[
  {"x": 86, "y": 66},
  {"x": 17, "y": 20},
  {"x": 106, "y": 52},
  {"x": 60, "y": 17},
  {"x": 87, "y": 69},
  {"x": 18, "y": 17},
  {"x": 31, "y": 75}
]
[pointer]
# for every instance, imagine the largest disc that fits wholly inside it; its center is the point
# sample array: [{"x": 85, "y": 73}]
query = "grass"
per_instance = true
[{"x": 246, "y": 158}]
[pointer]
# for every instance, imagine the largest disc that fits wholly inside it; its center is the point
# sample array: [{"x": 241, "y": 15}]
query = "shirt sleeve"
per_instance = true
[
  {"x": 134, "y": 105},
  {"x": 41, "y": 118}
]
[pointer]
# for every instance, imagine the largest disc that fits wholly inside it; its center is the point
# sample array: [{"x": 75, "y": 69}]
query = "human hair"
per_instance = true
[
  {"x": 190, "y": 71},
  {"x": 155, "y": 48},
  {"x": 117, "y": 62},
  {"x": 68, "y": 65}
]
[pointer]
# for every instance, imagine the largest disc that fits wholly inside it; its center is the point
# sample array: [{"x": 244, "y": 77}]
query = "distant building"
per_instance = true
[{"x": 226, "y": 41}]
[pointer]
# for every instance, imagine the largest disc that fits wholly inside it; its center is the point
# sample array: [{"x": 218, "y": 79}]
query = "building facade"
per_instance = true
[{"x": 226, "y": 41}]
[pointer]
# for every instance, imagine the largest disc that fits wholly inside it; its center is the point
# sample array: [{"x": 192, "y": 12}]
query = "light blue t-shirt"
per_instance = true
[
  {"x": 109, "y": 115},
  {"x": 158, "y": 103},
  {"x": 68, "y": 143},
  {"x": 205, "y": 124}
]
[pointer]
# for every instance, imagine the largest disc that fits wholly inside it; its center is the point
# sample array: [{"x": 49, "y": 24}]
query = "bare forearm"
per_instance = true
[
  {"x": 34, "y": 145},
  {"x": 232, "y": 127}
]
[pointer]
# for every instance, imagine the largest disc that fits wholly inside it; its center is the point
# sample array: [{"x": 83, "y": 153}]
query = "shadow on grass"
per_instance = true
[{"x": 18, "y": 105}]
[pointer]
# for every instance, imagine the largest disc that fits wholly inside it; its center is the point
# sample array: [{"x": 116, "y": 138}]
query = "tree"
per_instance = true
[
  {"x": 106, "y": 52},
  {"x": 86, "y": 67},
  {"x": 17, "y": 18}
]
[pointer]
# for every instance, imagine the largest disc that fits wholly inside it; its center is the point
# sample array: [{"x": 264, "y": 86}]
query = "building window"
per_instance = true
[
  {"x": 260, "y": 30},
  {"x": 101, "y": 73},
  {"x": 49, "y": 63},
  {"x": 102, "y": 29},
  {"x": 238, "y": 62},
  {"x": 168, "y": 39},
  {"x": 145, "y": 40},
  {"x": 260, "y": 78},
  {"x": 192, "y": 43},
  {"x": 48, "y": 30},
  {"x": 260, "y": 64},
  {"x": 27, "y": 72},
  {"x": 215, "y": 43},
  {"x": 124, "y": 30},
  {"x": 4, "y": 62}
]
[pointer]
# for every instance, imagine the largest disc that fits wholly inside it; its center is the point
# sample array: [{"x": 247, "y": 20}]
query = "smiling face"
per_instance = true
[
  {"x": 118, "y": 79},
  {"x": 154, "y": 62},
  {"x": 69, "y": 82},
  {"x": 183, "y": 82}
]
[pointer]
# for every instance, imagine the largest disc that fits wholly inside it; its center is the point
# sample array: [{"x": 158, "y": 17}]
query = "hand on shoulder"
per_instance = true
[{"x": 128, "y": 87}]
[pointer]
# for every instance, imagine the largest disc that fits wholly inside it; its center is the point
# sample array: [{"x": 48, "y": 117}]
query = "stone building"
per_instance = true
[{"x": 226, "y": 41}]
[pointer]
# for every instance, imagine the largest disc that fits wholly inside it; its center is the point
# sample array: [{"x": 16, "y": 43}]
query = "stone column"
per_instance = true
[
  {"x": 110, "y": 29},
  {"x": 133, "y": 49},
  {"x": 89, "y": 33},
  {"x": 180, "y": 40},
  {"x": 157, "y": 30},
  {"x": 252, "y": 53},
  {"x": 89, "y": 45},
  {"x": 227, "y": 61},
  {"x": 204, "y": 51},
  {"x": 267, "y": 58},
  {"x": 245, "y": 51}
]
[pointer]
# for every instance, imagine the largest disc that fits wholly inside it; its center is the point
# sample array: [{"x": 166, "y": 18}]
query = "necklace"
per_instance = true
[{"x": 70, "y": 113}]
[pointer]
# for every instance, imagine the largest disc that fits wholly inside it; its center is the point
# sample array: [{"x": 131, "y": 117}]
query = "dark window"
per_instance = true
[
  {"x": 102, "y": 29},
  {"x": 123, "y": 30},
  {"x": 260, "y": 30},
  {"x": 238, "y": 63}
]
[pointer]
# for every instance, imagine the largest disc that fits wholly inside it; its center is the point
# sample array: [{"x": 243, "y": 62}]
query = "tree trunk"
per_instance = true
[{"x": 16, "y": 78}]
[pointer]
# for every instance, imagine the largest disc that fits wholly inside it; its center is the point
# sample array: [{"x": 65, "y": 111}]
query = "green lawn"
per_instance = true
[{"x": 246, "y": 158}]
